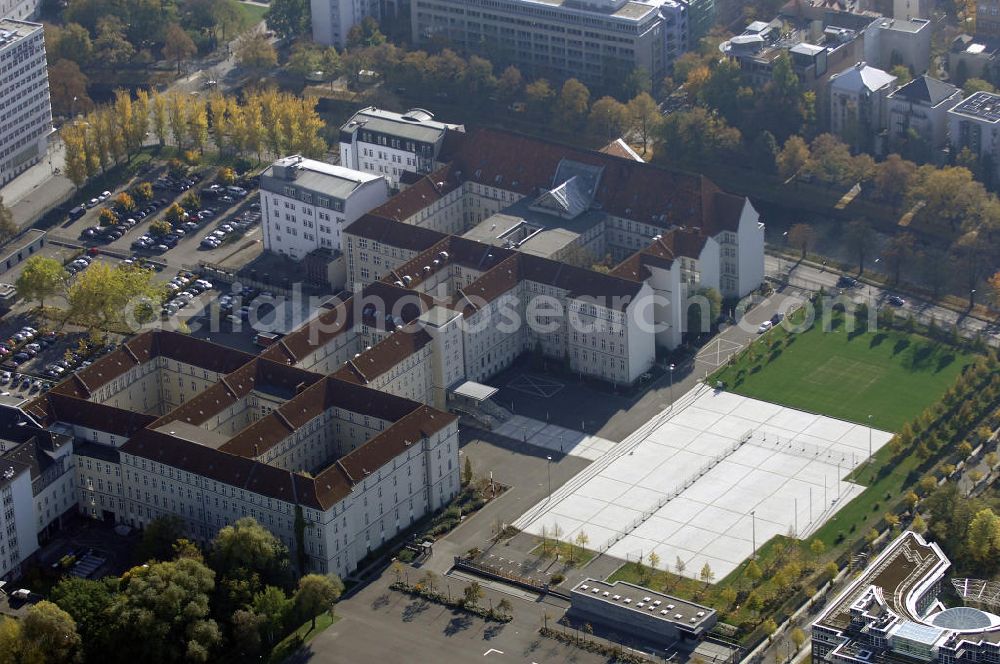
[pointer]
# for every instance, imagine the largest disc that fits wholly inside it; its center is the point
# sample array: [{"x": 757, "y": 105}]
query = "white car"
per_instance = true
[
  {"x": 764, "y": 327},
  {"x": 4, "y": 378}
]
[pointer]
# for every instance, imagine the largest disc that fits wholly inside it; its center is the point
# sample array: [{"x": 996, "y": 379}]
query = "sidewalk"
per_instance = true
[{"x": 34, "y": 192}]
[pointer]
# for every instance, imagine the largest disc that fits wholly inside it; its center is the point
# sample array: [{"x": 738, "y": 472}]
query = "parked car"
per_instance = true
[
  {"x": 847, "y": 282},
  {"x": 896, "y": 301},
  {"x": 764, "y": 327}
]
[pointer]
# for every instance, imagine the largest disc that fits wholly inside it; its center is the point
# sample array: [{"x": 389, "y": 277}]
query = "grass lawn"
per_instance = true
[
  {"x": 252, "y": 14},
  {"x": 893, "y": 376},
  {"x": 571, "y": 554},
  {"x": 303, "y": 635}
]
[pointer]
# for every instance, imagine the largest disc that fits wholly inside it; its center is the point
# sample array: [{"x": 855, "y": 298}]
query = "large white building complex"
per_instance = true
[
  {"x": 344, "y": 432},
  {"x": 391, "y": 144},
  {"x": 596, "y": 42},
  {"x": 893, "y": 612},
  {"x": 306, "y": 204},
  {"x": 21, "y": 10},
  {"x": 25, "y": 110}
]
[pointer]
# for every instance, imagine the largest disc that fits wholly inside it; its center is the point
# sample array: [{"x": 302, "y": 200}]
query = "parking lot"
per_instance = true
[{"x": 227, "y": 215}]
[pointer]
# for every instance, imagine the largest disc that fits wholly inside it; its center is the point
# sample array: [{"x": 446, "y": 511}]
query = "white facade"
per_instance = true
[
  {"x": 858, "y": 104},
  {"x": 20, "y": 10},
  {"x": 332, "y": 20},
  {"x": 24, "y": 98},
  {"x": 389, "y": 144},
  {"x": 975, "y": 124},
  {"x": 18, "y": 537},
  {"x": 305, "y": 204},
  {"x": 920, "y": 108},
  {"x": 905, "y": 41}
]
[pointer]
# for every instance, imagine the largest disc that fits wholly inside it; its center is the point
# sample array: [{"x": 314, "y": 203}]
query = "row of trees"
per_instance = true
[
  {"x": 184, "y": 604},
  {"x": 102, "y": 297},
  {"x": 98, "y": 39},
  {"x": 261, "y": 122}
]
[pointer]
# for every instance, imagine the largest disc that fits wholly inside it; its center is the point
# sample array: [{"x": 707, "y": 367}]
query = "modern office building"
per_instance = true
[
  {"x": 919, "y": 110},
  {"x": 332, "y": 20},
  {"x": 893, "y": 612},
  {"x": 390, "y": 144},
  {"x": 899, "y": 41},
  {"x": 25, "y": 110},
  {"x": 306, "y": 204},
  {"x": 974, "y": 123},
  {"x": 596, "y": 42}
]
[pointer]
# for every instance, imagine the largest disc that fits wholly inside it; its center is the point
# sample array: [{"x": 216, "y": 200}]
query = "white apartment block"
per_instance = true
[
  {"x": 332, "y": 20},
  {"x": 974, "y": 123},
  {"x": 920, "y": 109},
  {"x": 25, "y": 111},
  {"x": 390, "y": 144},
  {"x": 306, "y": 204},
  {"x": 20, "y": 10},
  {"x": 596, "y": 42},
  {"x": 859, "y": 106}
]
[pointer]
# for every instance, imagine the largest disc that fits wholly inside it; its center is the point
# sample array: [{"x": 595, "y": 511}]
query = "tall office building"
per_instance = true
[
  {"x": 333, "y": 19},
  {"x": 596, "y": 42},
  {"x": 25, "y": 111}
]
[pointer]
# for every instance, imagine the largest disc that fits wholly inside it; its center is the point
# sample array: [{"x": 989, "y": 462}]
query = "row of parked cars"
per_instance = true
[
  {"x": 122, "y": 224},
  {"x": 169, "y": 183},
  {"x": 236, "y": 226},
  {"x": 183, "y": 288}
]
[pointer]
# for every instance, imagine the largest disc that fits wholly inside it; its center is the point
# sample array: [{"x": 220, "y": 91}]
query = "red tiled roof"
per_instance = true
[
  {"x": 394, "y": 233},
  {"x": 416, "y": 197},
  {"x": 383, "y": 448},
  {"x": 385, "y": 355}
]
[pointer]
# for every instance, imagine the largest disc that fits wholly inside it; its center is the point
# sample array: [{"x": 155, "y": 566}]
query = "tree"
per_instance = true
[
  {"x": 247, "y": 547},
  {"x": 680, "y": 566},
  {"x": 88, "y": 603},
  {"x": 645, "y": 116},
  {"x": 898, "y": 251},
  {"x": 305, "y": 59},
  {"x": 73, "y": 43},
  {"x": 571, "y": 105},
  {"x": 246, "y": 632},
  {"x": 288, "y": 18},
  {"x": 830, "y": 160},
  {"x": 177, "y": 45},
  {"x": 701, "y": 318},
  {"x": 892, "y": 178},
  {"x": 112, "y": 46},
  {"x": 41, "y": 277},
  {"x": 509, "y": 83},
  {"x": 696, "y": 135},
  {"x": 754, "y": 602},
  {"x": 274, "y": 607},
  {"x": 8, "y": 228},
  {"x": 160, "y": 227},
  {"x": 859, "y": 238},
  {"x": 11, "y": 643},
  {"x": 918, "y": 525},
  {"x": 539, "y": 94},
  {"x": 365, "y": 34},
  {"x": 971, "y": 253},
  {"x": 158, "y": 538},
  {"x": 125, "y": 202},
  {"x": 68, "y": 89},
  {"x": 159, "y": 117},
  {"x": 974, "y": 85},
  {"x": 801, "y": 236},
  {"x": 104, "y": 296},
  {"x": 752, "y": 572},
  {"x": 162, "y": 613},
  {"x": 317, "y": 593},
  {"x": 255, "y": 52},
  {"x": 793, "y": 157},
  {"x": 798, "y": 637},
  {"x": 983, "y": 539},
  {"x": 817, "y": 547},
  {"x": 707, "y": 575},
  {"x": 949, "y": 194},
  {"x": 75, "y": 163},
  {"x": 143, "y": 192},
  {"x": 472, "y": 594},
  {"x": 902, "y": 74},
  {"x": 609, "y": 118},
  {"x": 467, "y": 473},
  {"x": 654, "y": 560},
  {"x": 764, "y": 152},
  {"x": 504, "y": 607},
  {"x": 728, "y": 595},
  {"x": 49, "y": 634},
  {"x": 769, "y": 626}
]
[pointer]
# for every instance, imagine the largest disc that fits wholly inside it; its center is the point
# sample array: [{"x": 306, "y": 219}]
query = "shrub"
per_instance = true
[{"x": 557, "y": 578}]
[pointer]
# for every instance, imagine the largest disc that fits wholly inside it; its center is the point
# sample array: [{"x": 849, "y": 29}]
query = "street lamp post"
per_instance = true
[
  {"x": 753, "y": 531},
  {"x": 672, "y": 367},
  {"x": 781, "y": 256},
  {"x": 972, "y": 298},
  {"x": 548, "y": 468}
]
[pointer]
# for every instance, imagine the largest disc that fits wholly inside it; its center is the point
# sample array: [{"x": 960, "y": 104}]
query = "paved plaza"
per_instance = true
[
  {"x": 555, "y": 438},
  {"x": 707, "y": 480}
]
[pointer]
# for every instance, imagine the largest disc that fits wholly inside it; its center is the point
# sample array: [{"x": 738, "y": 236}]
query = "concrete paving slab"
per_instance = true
[{"x": 789, "y": 472}]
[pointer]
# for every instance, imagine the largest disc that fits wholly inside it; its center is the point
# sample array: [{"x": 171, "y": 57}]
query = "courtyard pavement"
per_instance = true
[
  {"x": 708, "y": 481},
  {"x": 555, "y": 438}
]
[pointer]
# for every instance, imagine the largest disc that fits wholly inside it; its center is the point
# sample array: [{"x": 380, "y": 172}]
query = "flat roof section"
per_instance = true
[
  {"x": 475, "y": 391},
  {"x": 621, "y": 595},
  {"x": 981, "y": 106}
]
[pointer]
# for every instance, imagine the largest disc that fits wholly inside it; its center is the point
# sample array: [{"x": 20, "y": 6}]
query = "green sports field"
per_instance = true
[{"x": 892, "y": 376}]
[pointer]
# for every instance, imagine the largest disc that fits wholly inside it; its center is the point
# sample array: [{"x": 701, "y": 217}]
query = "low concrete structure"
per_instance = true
[{"x": 640, "y": 611}]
